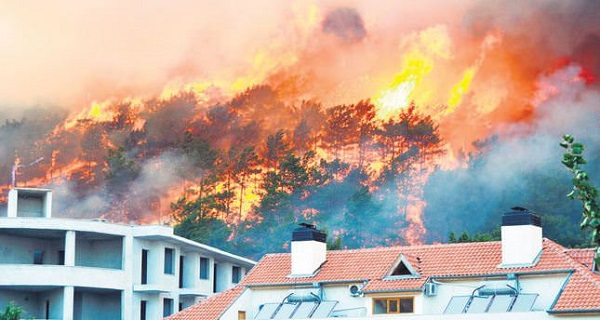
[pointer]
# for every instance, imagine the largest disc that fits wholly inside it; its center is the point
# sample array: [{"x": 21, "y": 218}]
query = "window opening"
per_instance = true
[
  {"x": 204, "y": 268},
  {"x": 401, "y": 270},
  {"x": 169, "y": 256},
  {"x": 236, "y": 274},
  {"x": 393, "y": 305},
  {"x": 167, "y": 307}
]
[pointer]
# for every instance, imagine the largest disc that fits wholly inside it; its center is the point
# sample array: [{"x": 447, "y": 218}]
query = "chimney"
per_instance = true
[
  {"x": 308, "y": 250},
  {"x": 29, "y": 202},
  {"x": 521, "y": 234}
]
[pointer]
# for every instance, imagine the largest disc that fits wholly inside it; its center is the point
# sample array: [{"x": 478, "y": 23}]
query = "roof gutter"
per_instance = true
[
  {"x": 574, "y": 311},
  {"x": 569, "y": 271}
]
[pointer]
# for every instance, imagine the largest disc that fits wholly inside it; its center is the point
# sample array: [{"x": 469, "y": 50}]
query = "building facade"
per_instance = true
[
  {"x": 523, "y": 276},
  {"x": 58, "y": 268}
]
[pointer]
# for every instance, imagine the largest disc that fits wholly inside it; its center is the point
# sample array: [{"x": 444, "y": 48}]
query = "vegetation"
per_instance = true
[
  {"x": 583, "y": 190},
  {"x": 478, "y": 237},
  {"x": 11, "y": 312},
  {"x": 244, "y": 171}
]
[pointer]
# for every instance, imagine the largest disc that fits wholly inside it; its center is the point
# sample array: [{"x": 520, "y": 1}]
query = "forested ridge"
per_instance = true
[{"x": 239, "y": 175}]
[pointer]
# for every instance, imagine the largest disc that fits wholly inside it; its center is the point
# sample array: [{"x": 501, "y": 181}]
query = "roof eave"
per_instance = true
[{"x": 574, "y": 311}]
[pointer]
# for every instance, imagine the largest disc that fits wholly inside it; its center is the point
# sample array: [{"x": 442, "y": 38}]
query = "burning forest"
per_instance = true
[{"x": 387, "y": 123}]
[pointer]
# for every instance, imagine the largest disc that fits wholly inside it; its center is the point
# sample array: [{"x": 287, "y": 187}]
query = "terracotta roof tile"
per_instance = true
[
  {"x": 584, "y": 256},
  {"x": 211, "y": 308},
  {"x": 580, "y": 293},
  {"x": 440, "y": 260},
  {"x": 582, "y": 290}
]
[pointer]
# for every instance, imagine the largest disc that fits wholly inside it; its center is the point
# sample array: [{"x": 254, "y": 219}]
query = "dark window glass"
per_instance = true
[
  {"x": 406, "y": 305},
  {"x": 143, "y": 304},
  {"x": 169, "y": 255},
  {"x": 236, "y": 274},
  {"x": 167, "y": 307},
  {"x": 204, "y": 268},
  {"x": 380, "y": 306},
  {"x": 392, "y": 306}
]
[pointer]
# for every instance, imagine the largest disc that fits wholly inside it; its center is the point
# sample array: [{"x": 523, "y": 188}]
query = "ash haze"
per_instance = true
[{"x": 500, "y": 83}]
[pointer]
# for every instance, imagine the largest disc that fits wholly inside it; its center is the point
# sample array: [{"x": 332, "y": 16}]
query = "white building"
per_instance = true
[
  {"x": 82, "y": 269},
  {"x": 521, "y": 277}
]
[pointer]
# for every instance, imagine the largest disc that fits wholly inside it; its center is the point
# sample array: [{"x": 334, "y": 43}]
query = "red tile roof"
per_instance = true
[
  {"x": 439, "y": 260},
  {"x": 581, "y": 292},
  {"x": 211, "y": 308}
]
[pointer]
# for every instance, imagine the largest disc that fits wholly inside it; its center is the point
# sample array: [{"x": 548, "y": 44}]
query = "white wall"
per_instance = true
[{"x": 56, "y": 303}]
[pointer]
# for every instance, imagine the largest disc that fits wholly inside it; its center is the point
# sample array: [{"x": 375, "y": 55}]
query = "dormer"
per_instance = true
[
  {"x": 403, "y": 268},
  {"x": 29, "y": 203}
]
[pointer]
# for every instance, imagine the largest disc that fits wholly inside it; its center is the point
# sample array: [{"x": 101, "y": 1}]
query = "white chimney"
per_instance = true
[
  {"x": 521, "y": 238},
  {"x": 29, "y": 202},
  {"x": 308, "y": 250}
]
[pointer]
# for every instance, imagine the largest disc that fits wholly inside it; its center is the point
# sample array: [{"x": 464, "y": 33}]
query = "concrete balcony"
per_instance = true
[{"x": 58, "y": 275}]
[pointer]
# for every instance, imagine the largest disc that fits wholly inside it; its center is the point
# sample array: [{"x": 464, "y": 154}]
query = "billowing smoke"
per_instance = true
[
  {"x": 502, "y": 82},
  {"x": 345, "y": 23},
  {"x": 520, "y": 166}
]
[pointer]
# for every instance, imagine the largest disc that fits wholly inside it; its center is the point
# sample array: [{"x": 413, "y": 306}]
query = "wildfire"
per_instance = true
[{"x": 471, "y": 78}]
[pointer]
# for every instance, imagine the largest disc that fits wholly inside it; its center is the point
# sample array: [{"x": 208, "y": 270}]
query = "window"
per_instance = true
[
  {"x": 38, "y": 256},
  {"x": 204, "y": 268},
  {"x": 393, "y": 305},
  {"x": 167, "y": 307},
  {"x": 61, "y": 257},
  {"x": 169, "y": 256},
  {"x": 236, "y": 274},
  {"x": 143, "y": 305}
]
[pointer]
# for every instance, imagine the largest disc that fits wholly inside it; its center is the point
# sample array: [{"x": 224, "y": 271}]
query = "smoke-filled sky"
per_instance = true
[
  {"x": 71, "y": 52},
  {"x": 477, "y": 53}
]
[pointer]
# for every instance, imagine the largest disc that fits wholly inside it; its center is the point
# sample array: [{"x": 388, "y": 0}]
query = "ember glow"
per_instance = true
[{"x": 144, "y": 75}]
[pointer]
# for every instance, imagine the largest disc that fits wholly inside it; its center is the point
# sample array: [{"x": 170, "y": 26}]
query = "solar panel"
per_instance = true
[
  {"x": 324, "y": 309},
  {"x": 267, "y": 311},
  {"x": 285, "y": 311},
  {"x": 457, "y": 304},
  {"x": 523, "y": 302},
  {"x": 479, "y": 304},
  {"x": 304, "y": 310},
  {"x": 501, "y": 303}
]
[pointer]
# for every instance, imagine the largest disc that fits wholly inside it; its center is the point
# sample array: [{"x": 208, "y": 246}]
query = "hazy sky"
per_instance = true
[{"x": 70, "y": 51}]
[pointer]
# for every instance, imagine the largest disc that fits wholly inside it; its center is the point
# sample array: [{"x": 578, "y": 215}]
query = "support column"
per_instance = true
[
  {"x": 70, "y": 248},
  {"x": 129, "y": 305},
  {"x": 68, "y": 303}
]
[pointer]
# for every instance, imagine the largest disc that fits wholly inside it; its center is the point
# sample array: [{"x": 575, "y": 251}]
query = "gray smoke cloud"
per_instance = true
[
  {"x": 157, "y": 177},
  {"x": 345, "y": 23},
  {"x": 521, "y": 166}
]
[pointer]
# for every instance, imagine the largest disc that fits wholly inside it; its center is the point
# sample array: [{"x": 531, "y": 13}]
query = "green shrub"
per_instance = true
[{"x": 12, "y": 312}]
